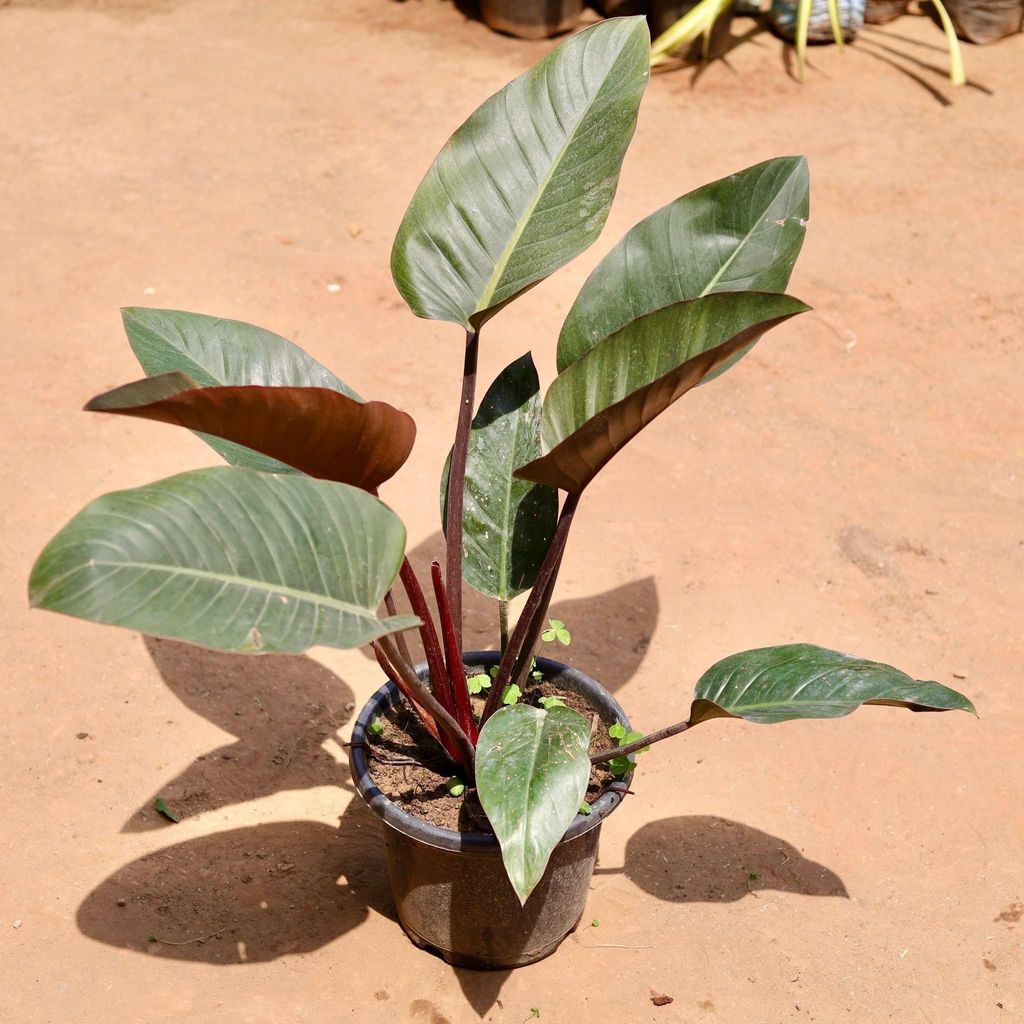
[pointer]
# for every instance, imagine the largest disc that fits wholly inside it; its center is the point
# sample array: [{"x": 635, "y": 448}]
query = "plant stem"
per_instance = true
[
  {"x": 403, "y": 647},
  {"x": 645, "y": 741},
  {"x": 453, "y": 657},
  {"x": 503, "y": 624},
  {"x": 392, "y": 673},
  {"x": 536, "y": 605},
  {"x": 444, "y": 720},
  {"x": 532, "y": 641},
  {"x": 439, "y": 681},
  {"x": 457, "y": 483}
]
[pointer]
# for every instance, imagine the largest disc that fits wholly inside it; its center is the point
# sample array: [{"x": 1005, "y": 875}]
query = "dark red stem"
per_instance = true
[
  {"x": 457, "y": 484},
  {"x": 403, "y": 647},
  {"x": 453, "y": 656},
  {"x": 439, "y": 681},
  {"x": 644, "y": 741},
  {"x": 536, "y": 605}
]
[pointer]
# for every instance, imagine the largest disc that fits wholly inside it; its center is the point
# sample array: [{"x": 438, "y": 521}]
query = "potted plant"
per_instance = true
[{"x": 289, "y": 546}]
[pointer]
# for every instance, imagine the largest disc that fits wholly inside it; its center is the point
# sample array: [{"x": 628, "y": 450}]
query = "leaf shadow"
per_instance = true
[
  {"x": 707, "y": 859},
  {"x": 281, "y": 708},
  {"x": 245, "y": 895},
  {"x": 611, "y": 632}
]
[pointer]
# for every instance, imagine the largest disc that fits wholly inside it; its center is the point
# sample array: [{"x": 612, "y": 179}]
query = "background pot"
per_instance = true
[
  {"x": 985, "y": 21},
  {"x": 819, "y": 30},
  {"x": 450, "y": 888},
  {"x": 881, "y": 12},
  {"x": 531, "y": 19}
]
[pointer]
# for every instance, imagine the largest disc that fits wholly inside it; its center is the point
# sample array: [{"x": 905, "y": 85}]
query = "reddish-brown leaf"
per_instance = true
[{"x": 315, "y": 430}]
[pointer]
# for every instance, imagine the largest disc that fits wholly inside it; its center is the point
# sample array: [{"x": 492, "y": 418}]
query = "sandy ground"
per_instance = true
[{"x": 857, "y": 483}]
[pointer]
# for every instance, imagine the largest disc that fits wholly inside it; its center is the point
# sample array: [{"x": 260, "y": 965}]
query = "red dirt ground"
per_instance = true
[{"x": 856, "y": 483}]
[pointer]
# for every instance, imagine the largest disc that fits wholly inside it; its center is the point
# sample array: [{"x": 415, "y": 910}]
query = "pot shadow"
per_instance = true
[
  {"x": 706, "y": 859},
  {"x": 246, "y": 895},
  {"x": 280, "y": 707},
  {"x": 610, "y": 632}
]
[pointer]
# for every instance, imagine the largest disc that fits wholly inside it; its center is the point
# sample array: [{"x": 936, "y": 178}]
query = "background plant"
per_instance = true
[{"x": 289, "y": 546}]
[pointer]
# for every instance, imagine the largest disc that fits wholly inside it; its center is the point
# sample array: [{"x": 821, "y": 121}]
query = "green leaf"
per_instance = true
[
  {"x": 551, "y": 702},
  {"x": 602, "y": 401},
  {"x": 316, "y": 430},
  {"x": 376, "y": 727},
  {"x": 481, "y": 681},
  {"x": 556, "y": 631},
  {"x": 161, "y": 808},
  {"x": 215, "y": 351},
  {"x": 532, "y": 770},
  {"x": 507, "y": 523},
  {"x": 742, "y": 233},
  {"x": 455, "y": 786},
  {"x": 777, "y": 684},
  {"x": 617, "y": 731},
  {"x": 230, "y": 559},
  {"x": 585, "y": 809},
  {"x": 525, "y": 184},
  {"x": 512, "y": 694}
]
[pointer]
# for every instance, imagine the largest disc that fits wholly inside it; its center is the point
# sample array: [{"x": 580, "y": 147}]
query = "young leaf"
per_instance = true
[
  {"x": 602, "y": 401},
  {"x": 741, "y": 233},
  {"x": 511, "y": 695},
  {"x": 507, "y": 522},
  {"x": 551, "y": 702},
  {"x": 316, "y": 430},
  {"x": 532, "y": 771},
  {"x": 525, "y": 184},
  {"x": 455, "y": 786},
  {"x": 230, "y": 559},
  {"x": 214, "y": 351},
  {"x": 585, "y": 809},
  {"x": 556, "y": 631},
  {"x": 376, "y": 727},
  {"x": 481, "y": 681},
  {"x": 777, "y": 684},
  {"x": 617, "y": 731}
]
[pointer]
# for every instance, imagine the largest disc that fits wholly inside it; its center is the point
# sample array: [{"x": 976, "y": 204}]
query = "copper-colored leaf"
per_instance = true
[{"x": 316, "y": 430}]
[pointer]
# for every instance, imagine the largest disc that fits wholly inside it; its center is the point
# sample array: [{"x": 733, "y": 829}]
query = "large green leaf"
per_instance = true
[
  {"x": 316, "y": 430},
  {"x": 507, "y": 522},
  {"x": 231, "y": 559},
  {"x": 742, "y": 233},
  {"x": 212, "y": 351},
  {"x": 525, "y": 184},
  {"x": 777, "y": 684},
  {"x": 600, "y": 402},
  {"x": 532, "y": 770}
]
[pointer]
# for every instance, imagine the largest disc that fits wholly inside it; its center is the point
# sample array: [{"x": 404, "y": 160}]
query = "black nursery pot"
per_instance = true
[{"x": 450, "y": 888}]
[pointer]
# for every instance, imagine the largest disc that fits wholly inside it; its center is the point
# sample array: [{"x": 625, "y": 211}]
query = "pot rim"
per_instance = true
[{"x": 445, "y": 839}]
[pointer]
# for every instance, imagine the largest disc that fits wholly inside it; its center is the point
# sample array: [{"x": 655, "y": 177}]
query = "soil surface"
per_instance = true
[
  {"x": 857, "y": 482},
  {"x": 410, "y": 767}
]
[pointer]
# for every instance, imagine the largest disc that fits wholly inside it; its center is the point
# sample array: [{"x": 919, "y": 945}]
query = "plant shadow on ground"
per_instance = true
[
  {"x": 246, "y": 895},
  {"x": 280, "y": 707},
  {"x": 706, "y": 859},
  {"x": 611, "y": 632}
]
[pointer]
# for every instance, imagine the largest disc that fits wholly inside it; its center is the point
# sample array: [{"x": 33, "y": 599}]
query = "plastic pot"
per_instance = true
[
  {"x": 531, "y": 19},
  {"x": 782, "y": 17},
  {"x": 450, "y": 888}
]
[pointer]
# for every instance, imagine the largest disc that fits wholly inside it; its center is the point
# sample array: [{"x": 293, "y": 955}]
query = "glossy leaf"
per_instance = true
[
  {"x": 525, "y": 184},
  {"x": 532, "y": 770},
  {"x": 777, "y": 684},
  {"x": 507, "y": 522},
  {"x": 214, "y": 351},
  {"x": 316, "y": 430},
  {"x": 602, "y": 401},
  {"x": 231, "y": 559},
  {"x": 742, "y": 233}
]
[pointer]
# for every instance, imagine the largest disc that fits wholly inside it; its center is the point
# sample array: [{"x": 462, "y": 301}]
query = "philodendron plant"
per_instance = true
[{"x": 289, "y": 546}]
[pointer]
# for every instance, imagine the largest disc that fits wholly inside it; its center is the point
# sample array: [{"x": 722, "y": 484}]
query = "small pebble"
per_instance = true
[
  {"x": 82, "y": 736},
  {"x": 17, "y": 923},
  {"x": 959, "y": 675},
  {"x": 122, "y": 902},
  {"x": 334, "y": 287}
]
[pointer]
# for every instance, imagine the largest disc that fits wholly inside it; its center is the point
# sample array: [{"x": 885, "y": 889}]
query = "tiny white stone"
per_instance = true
[{"x": 334, "y": 287}]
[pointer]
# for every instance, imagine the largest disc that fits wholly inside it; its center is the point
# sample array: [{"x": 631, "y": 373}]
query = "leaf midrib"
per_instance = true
[
  {"x": 499, "y": 268},
  {"x": 242, "y": 581}
]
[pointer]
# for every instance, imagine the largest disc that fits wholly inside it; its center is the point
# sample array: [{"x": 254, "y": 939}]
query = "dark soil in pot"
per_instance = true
[{"x": 411, "y": 770}]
